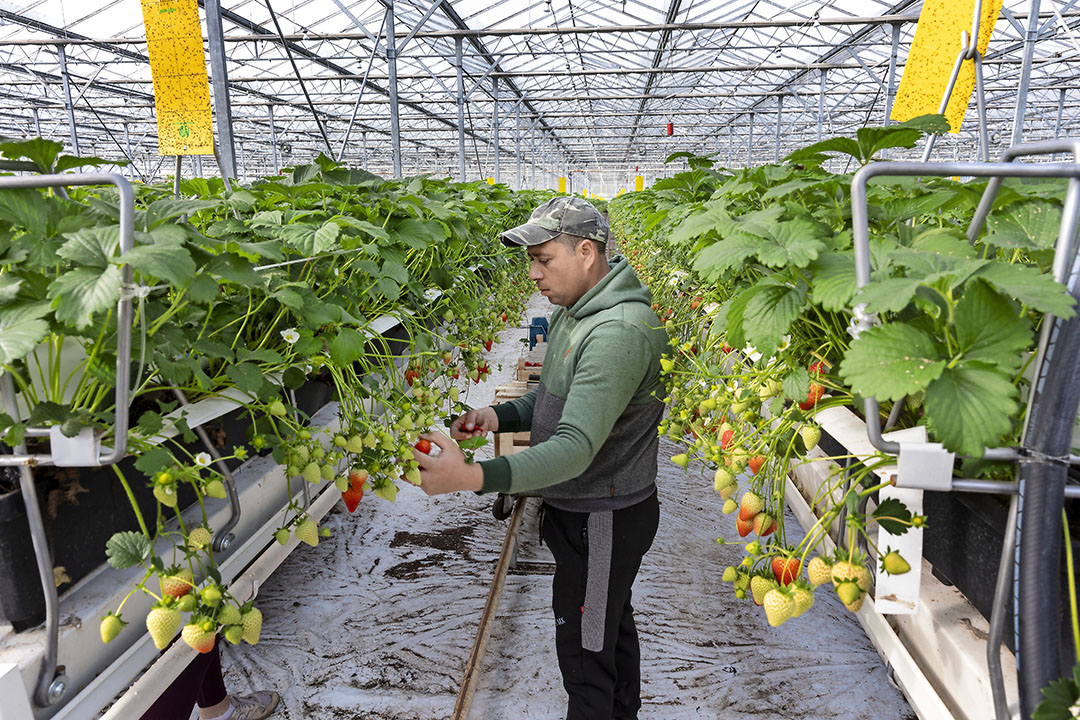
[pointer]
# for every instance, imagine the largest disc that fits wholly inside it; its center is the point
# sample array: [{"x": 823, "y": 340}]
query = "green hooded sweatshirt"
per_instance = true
[{"x": 594, "y": 415}]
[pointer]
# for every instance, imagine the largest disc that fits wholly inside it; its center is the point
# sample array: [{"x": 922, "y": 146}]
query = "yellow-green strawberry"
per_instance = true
[
  {"x": 111, "y": 625},
  {"x": 229, "y": 614},
  {"x": 803, "y": 600},
  {"x": 166, "y": 494},
  {"x": 198, "y": 539},
  {"x": 312, "y": 472},
  {"x": 730, "y": 506},
  {"x": 162, "y": 624},
  {"x": 199, "y": 635},
  {"x": 682, "y": 459},
  {"x": 329, "y": 470},
  {"x": 742, "y": 582},
  {"x": 818, "y": 571},
  {"x": 370, "y": 441},
  {"x": 894, "y": 563},
  {"x": 854, "y": 570},
  {"x": 308, "y": 532},
  {"x": 730, "y": 574},
  {"x": 282, "y": 535},
  {"x": 187, "y": 602},
  {"x": 252, "y": 623},
  {"x": 234, "y": 634},
  {"x": 851, "y": 595},
  {"x": 810, "y": 435},
  {"x": 277, "y": 408},
  {"x": 211, "y": 595},
  {"x": 177, "y": 583},
  {"x": 216, "y": 489},
  {"x": 355, "y": 444},
  {"x": 722, "y": 479},
  {"x": 758, "y": 587},
  {"x": 341, "y": 483},
  {"x": 779, "y": 606}
]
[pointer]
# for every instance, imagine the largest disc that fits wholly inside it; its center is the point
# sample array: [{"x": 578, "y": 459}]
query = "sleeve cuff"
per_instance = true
[
  {"x": 496, "y": 475},
  {"x": 509, "y": 420}
]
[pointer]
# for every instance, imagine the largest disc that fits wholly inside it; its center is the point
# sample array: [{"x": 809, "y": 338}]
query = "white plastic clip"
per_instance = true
[
  {"x": 928, "y": 466},
  {"x": 82, "y": 450}
]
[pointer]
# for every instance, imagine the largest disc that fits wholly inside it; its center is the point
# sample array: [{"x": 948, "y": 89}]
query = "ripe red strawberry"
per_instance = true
[
  {"x": 726, "y": 438},
  {"x": 786, "y": 569},
  {"x": 695, "y": 303},
  {"x": 812, "y": 397},
  {"x": 744, "y": 526},
  {"x": 411, "y": 375},
  {"x": 357, "y": 478},
  {"x": 750, "y": 505},
  {"x": 817, "y": 368},
  {"x": 352, "y": 497},
  {"x": 487, "y": 345},
  {"x": 755, "y": 463},
  {"x": 423, "y": 446}
]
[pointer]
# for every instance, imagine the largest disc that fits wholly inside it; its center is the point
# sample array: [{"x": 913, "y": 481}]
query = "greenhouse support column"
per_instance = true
[
  {"x": 779, "y": 117},
  {"x": 391, "y": 66},
  {"x": 127, "y": 146},
  {"x": 532, "y": 157},
  {"x": 495, "y": 124},
  {"x": 517, "y": 140},
  {"x": 731, "y": 145},
  {"x": 220, "y": 76},
  {"x": 1025, "y": 72},
  {"x": 821, "y": 106},
  {"x": 37, "y": 124},
  {"x": 892, "y": 72},
  {"x": 273, "y": 139},
  {"x": 198, "y": 165},
  {"x": 363, "y": 148},
  {"x": 460, "y": 110},
  {"x": 750, "y": 140},
  {"x": 61, "y": 54}
]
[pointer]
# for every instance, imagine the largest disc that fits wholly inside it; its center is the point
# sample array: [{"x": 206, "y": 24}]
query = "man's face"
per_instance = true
[{"x": 561, "y": 275}]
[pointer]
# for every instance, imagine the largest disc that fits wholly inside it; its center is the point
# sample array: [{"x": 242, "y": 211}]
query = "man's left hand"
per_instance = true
[{"x": 447, "y": 472}]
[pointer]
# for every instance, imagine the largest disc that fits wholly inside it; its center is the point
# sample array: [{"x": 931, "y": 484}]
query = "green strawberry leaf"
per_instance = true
[
  {"x": 127, "y": 549},
  {"x": 791, "y": 243},
  {"x": 419, "y": 234},
  {"x": 891, "y": 361},
  {"x": 833, "y": 284},
  {"x": 166, "y": 208},
  {"x": 1031, "y": 287},
  {"x": 970, "y": 406},
  {"x": 716, "y": 259},
  {"x": 796, "y": 384},
  {"x": 91, "y": 247},
  {"x": 247, "y": 376},
  {"x": 769, "y": 314},
  {"x": 9, "y": 288},
  {"x": 168, "y": 261},
  {"x": 893, "y": 516},
  {"x": 990, "y": 329},
  {"x": 79, "y": 293},
  {"x": 21, "y": 329},
  {"x": 153, "y": 460},
  {"x": 347, "y": 347},
  {"x": 1031, "y": 225},
  {"x": 888, "y": 295}
]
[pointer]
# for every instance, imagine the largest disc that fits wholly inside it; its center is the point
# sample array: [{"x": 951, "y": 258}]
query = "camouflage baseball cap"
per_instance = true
[{"x": 562, "y": 214}]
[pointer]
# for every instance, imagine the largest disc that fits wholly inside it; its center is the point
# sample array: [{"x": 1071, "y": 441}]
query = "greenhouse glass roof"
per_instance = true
[{"x": 585, "y": 87}]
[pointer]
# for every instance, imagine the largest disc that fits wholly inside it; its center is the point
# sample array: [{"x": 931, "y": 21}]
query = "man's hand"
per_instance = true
[
  {"x": 447, "y": 472},
  {"x": 474, "y": 423}
]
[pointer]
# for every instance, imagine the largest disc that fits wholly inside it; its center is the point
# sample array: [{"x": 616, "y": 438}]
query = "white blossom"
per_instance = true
[
  {"x": 203, "y": 459},
  {"x": 290, "y": 336}
]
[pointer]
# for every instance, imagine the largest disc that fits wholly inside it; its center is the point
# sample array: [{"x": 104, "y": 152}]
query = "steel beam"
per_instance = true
[
  {"x": 495, "y": 126},
  {"x": 61, "y": 55},
  {"x": 1025, "y": 73},
  {"x": 219, "y": 75},
  {"x": 460, "y": 100},
  {"x": 391, "y": 68}
]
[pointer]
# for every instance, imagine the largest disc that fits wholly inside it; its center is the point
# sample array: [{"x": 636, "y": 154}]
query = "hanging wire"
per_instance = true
[{"x": 311, "y": 105}]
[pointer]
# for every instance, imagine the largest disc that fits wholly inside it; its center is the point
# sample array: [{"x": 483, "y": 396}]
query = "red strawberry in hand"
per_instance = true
[{"x": 422, "y": 445}]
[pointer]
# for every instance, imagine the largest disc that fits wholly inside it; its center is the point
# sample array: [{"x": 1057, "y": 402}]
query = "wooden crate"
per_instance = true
[
  {"x": 510, "y": 443},
  {"x": 531, "y": 374}
]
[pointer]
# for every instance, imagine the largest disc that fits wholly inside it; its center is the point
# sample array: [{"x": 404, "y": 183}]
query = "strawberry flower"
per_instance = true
[
  {"x": 290, "y": 336},
  {"x": 203, "y": 459}
]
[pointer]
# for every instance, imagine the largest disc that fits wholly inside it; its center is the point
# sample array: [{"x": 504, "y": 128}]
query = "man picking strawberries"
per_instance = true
[{"x": 593, "y": 449}]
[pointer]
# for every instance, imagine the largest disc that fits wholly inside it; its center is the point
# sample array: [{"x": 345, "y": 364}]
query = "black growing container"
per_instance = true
[{"x": 22, "y": 602}]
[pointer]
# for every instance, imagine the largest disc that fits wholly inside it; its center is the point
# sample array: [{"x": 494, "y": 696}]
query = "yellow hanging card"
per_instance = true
[
  {"x": 932, "y": 55},
  {"x": 181, "y": 87}
]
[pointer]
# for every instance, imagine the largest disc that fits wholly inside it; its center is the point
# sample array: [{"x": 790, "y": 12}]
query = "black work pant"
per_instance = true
[
  {"x": 199, "y": 684},
  {"x": 602, "y": 685}
]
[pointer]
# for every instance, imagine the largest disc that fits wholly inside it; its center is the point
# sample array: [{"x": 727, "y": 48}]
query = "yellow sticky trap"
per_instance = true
[
  {"x": 491, "y": 181},
  {"x": 639, "y": 183},
  {"x": 181, "y": 86},
  {"x": 562, "y": 184},
  {"x": 932, "y": 55}
]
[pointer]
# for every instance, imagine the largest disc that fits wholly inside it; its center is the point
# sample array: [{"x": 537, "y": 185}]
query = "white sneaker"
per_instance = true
[{"x": 256, "y": 706}]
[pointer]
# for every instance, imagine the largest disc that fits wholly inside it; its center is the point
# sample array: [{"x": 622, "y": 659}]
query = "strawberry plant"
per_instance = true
[
  {"x": 251, "y": 293},
  {"x": 752, "y": 273}
]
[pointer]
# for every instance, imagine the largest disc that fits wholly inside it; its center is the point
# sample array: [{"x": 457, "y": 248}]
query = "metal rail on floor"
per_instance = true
[{"x": 506, "y": 558}]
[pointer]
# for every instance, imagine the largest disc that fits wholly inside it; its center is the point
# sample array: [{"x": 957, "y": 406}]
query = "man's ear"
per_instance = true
[{"x": 587, "y": 251}]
